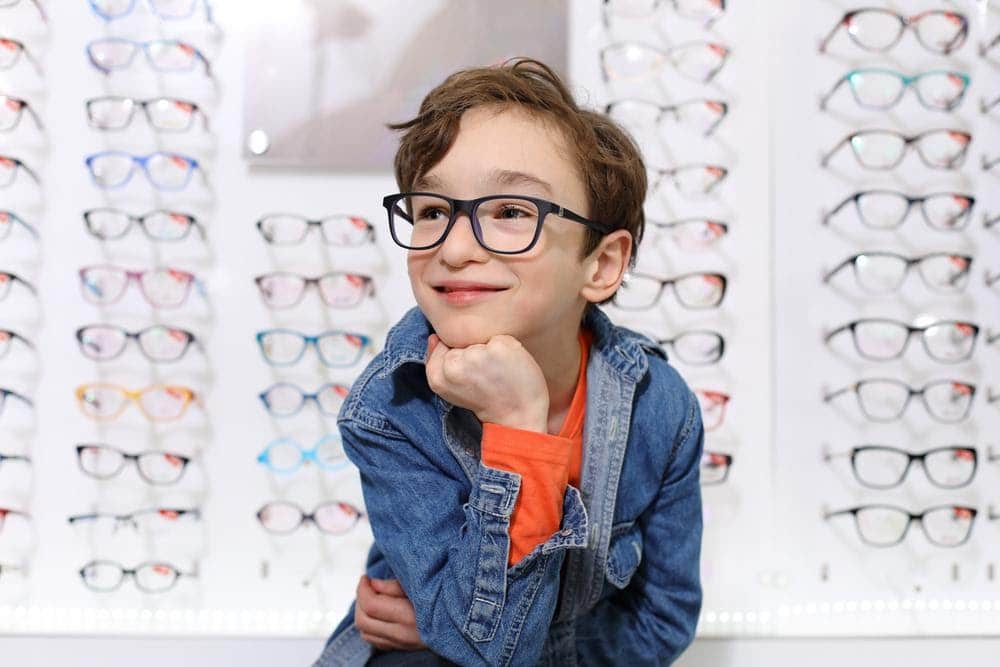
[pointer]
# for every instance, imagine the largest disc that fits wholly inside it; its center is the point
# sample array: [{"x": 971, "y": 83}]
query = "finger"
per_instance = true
[
  {"x": 379, "y": 642},
  {"x": 394, "y": 632},
  {"x": 390, "y": 609},
  {"x": 435, "y": 360},
  {"x": 432, "y": 342},
  {"x": 389, "y": 587}
]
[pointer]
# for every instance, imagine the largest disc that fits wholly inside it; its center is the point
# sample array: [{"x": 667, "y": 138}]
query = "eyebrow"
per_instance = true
[{"x": 497, "y": 176}]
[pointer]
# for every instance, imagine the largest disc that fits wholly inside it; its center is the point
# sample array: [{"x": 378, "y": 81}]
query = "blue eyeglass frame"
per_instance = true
[
  {"x": 143, "y": 46},
  {"x": 305, "y": 397},
  {"x": 305, "y": 455},
  {"x": 152, "y": 7},
  {"x": 314, "y": 341},
  {"x": 143, "y": 162}
]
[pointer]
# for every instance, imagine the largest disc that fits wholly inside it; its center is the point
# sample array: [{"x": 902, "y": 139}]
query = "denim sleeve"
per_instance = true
[
  {"x": 653, "y": 619},
  {"x": 448, "y": 546}
]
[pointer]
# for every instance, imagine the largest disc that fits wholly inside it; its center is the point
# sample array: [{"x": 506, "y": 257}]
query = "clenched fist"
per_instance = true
[{"x": 499, "y": 381}]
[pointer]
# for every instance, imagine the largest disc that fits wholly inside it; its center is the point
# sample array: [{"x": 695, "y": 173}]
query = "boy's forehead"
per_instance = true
[{"x": 505, "y": 147}]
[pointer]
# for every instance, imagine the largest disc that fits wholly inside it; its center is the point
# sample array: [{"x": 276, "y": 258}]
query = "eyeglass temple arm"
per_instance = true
[
  {"x": 825, "y": 159},
  {"x": 829, "y": 514},
  {"x": 836, "y": 86},
  {"x": 825, "y": 218},
  {"x": 826, "y": 40},
  {"x": 835, "y": 270},
  {"x": 827, "y": 337},
  {"x": 985, "y": 106},
  {"x": 32, "y": 59},
  {"x": 41, "y": 10},
  {"x": 34, "y": 116},
  {"x": 986, "y": 46},
  {"x": 31, "y": 172},
  {"x": 988, "y": 164},
  {"x": 991, "y": 280},
  {"x": 830, "y": 395},
  {"x": 828, "y": 455},
  {"x": 31, "y": 228},
  {"x": 988, "y": 221}
]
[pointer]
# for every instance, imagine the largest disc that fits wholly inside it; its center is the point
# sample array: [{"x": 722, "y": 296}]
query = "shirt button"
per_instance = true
[{"x": 566, "y": 531}]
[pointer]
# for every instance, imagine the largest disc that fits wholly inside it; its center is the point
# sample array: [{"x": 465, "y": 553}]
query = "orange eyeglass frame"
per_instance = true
[{"x": 134, "y": 395}]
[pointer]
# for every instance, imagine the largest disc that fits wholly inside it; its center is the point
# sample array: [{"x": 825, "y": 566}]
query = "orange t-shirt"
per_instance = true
[{"x": 546, "y": 463}]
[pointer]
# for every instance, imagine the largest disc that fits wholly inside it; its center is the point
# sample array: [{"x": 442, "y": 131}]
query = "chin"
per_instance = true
[{"x": 464, "y": 329}]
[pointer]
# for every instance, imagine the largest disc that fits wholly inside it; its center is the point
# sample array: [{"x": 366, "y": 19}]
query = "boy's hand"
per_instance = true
[
  {"x": 384, "y": 616},
  {"x": 499, "y": 381}
]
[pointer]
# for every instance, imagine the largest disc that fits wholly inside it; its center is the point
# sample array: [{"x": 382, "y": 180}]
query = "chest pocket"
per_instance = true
[{"x": 624, "y": 553}]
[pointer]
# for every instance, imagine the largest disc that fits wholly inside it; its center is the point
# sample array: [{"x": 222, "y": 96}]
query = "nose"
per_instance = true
[{"x": 460, "y": 246}]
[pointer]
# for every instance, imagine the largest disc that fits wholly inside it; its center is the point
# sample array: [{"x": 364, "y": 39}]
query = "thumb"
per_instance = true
[
  {"x": 388, "y": 587},
  {"x": 435, "y": 349}
]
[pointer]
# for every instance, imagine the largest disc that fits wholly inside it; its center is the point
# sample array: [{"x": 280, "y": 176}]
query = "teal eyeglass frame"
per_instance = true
[
  {"x": 305, "y": 455},
  {"x": 906, "y": 81}
]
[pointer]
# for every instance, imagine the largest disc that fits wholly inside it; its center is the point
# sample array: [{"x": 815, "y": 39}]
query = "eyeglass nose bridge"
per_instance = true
[{"x": 470, "y": 209}]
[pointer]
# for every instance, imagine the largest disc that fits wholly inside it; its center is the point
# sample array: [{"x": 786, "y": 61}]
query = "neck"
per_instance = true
[{"x": 558, "y": 355}]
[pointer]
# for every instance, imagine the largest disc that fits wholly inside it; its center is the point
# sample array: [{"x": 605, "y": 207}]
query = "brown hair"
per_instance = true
[{"x": 607, "y": 158}]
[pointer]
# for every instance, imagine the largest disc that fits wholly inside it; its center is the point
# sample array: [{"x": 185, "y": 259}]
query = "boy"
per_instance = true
[{"x": 530, "y": 470}]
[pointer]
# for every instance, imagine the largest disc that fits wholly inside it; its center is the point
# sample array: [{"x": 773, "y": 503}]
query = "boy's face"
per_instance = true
[{"x": 470, "y": 294}]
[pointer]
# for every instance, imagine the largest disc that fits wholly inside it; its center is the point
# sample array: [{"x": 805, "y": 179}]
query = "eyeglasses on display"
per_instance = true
[
  {"x": 878, "y": 29},
  {"x": 338, "y": 289},
  {"x": 11, "y": 51},
  {"x": 335, "y": 348},
  {"x": 5, "y": 458},
  {"x": 161, "y": 287},
  {"x": 702, "y": 116},
  {"x": 108, "y": 224},
  {"x": 705, "y": 11},
  {"x": 693, "y": 290},
  {"x": 696, "y": 347},
  {"x": 10, "y": 167},
  {"x": 110, "y": 170},
  {"x": 7, "y": 280},
  {"x": 884, "y": 149},
  {"x": 155, "y": 467},
  {"x": 11, "y": 110},
  {"x": 714, "y": 468},
  {"x": 883, "y": 272},
  {"x": 879, "y": 88},
  {"x": 158, "y": 403},
  {"x": 155, "y": 520},
  {"x": 690, "y": 180},
  {"x": 887, "y": 209},
  {"x": 333, "y": 518},
  {"x": 287, "y": 455},
  {"x": 691, "y": 234},
  {"x": 713, "y": 407},
  {"x": 284, "y": 399},
  {"x": 104, "y": 576},
  {"x": 164, "y": 114},
  {"x": 10, "y": 393},
  {"x": 168, "y": 10},
  {"x": 886, "y": 399},
  {"x": 9, "y": 220},
  {"x": 885, "y": 467},
  {"x": 503, "y": 224},
  {"x": 159, "y": 343},
  {"x": 881, "y": 339},
  {"x": 887, "y": 525},
  {"x": 698, "y": 61},
  {"x": 7, "y": 338},
  {"x": 348, "y": 231},
  {"x": 110, "y": 54}
]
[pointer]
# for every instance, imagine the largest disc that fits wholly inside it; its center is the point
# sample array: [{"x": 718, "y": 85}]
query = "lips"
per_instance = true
[{"x": 455, "y": 286}]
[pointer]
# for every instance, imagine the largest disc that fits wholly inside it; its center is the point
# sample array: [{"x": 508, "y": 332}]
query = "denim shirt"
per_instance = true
[{"x": 618, "y": 583}]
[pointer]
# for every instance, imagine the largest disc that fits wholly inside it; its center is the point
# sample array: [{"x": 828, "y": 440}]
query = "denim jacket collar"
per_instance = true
[{"x": 406, "y": 342}]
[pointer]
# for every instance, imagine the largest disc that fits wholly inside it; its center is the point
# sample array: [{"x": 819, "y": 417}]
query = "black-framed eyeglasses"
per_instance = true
[
  {"x": 150, "y": 577},
  {"x": 887, "y": 525},
  {"x": 885, "y": 467},
  {"x": 882, "y": 272},
  {"x": 883, "y": 339},
  {"x": 108, "y": 224},
  {"x": 886, "y": 399},
  {"x": 151, "y": 520},
  {"x": 887, "y": 209},
  {"x": 879, "y": 29},
  {"x": 102, "y": 461},
  {"x": 159, "y": 343},
  {"x": 11, "y": 110},
  {"x": 696, "y": 347},
  {"x": 503, "y": 224}
]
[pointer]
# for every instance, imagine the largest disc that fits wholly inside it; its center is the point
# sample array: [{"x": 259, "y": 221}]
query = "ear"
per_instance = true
[{"x": 606, "y": 265}]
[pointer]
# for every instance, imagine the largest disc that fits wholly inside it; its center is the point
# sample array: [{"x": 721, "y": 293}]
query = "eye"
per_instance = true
[
  {"x": 512, "y": 212},
  {"x": 432, "y": 213}
]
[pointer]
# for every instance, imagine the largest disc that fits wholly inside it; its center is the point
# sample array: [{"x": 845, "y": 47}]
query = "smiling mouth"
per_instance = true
[{"x": 445, "y": 289}]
